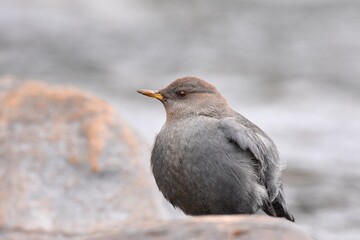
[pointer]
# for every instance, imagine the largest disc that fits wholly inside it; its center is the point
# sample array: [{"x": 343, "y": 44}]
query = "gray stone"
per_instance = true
[
  {"x": 243, "y": 227},
  {"x": 69, "y": 164}
]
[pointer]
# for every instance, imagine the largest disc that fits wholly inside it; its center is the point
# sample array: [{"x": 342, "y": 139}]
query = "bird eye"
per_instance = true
[{"x": 181, "y": 93}]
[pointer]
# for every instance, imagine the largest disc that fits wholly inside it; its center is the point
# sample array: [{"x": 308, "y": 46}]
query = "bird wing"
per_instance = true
[{"x": 251, "y": 138}]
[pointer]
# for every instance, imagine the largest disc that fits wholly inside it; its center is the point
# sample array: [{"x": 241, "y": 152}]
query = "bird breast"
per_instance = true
[{"x": 193, "y": 162}]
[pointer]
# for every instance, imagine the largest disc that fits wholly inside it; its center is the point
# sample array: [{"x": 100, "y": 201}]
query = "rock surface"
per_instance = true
[
  {"x": 210, "y": 227},
  {"x": 69, "y": 165}
]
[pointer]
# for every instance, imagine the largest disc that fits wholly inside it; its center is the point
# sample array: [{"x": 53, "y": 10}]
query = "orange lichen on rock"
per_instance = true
[{"x": 63, "y": 111}]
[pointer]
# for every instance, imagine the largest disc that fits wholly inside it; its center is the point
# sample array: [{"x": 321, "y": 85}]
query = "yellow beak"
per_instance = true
[{"x": 151, "y": 93}]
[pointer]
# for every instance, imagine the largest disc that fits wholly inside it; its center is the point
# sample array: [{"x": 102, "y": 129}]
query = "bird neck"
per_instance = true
[{"x": 175, "y": 114}]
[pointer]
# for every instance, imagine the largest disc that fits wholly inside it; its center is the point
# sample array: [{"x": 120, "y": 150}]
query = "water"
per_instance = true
[{"x": 292, "y": 67}]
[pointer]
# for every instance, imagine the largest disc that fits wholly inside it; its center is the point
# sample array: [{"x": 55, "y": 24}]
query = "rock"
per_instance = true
[
  {"x": 69, "y": 165},
  {"x": 244, "y": 227}
]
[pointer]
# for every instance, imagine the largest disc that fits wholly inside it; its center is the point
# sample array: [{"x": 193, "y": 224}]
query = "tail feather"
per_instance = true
[
  {"x": 278, "y": 208},
  {"x": 268, "y": 208},
  {"x": 281, "y": 209}
]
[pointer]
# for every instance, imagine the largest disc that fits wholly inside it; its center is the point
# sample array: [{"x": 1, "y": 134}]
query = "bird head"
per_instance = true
[{"x": 189, "y": 96}]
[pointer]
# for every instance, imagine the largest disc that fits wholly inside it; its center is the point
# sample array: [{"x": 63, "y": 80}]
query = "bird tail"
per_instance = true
[{"x": 278, "y": 208}]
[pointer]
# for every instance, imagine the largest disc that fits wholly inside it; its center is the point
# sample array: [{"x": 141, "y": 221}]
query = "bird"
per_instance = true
[{"x": 208, "y": 159}]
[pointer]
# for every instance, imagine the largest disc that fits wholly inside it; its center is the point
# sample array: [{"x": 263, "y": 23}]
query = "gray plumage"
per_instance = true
[{"x": 209, "y": 159}]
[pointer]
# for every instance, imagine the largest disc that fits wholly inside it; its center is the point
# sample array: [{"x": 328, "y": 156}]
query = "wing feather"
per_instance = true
[{"x": 251, "y": 138}]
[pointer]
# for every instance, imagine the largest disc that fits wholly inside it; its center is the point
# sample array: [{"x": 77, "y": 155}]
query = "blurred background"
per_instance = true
[{"x": 291, "y": 67}]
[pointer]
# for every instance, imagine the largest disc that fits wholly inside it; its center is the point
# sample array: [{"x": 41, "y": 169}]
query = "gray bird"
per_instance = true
[{"x": 209, "y": 159}]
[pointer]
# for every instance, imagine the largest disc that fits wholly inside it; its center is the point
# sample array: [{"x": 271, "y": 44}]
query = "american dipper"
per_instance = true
[{"x": 209, "y": 159}]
